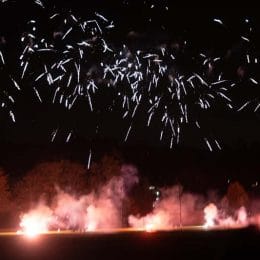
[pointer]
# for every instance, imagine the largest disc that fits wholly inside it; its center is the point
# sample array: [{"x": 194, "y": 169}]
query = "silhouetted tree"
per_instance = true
[
  {"x": 6, "y": 205},
  {"x": 236, "y": 196},
  {"x": 102, "y": 171},
  {"x": 141, "y": 198},
  {"x": 42, "y": 182},
  {"x": 4, "y": 193}
]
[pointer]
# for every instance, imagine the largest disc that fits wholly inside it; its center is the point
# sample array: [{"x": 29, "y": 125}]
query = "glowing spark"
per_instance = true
[
  {"x": 24, "y": 69},
  {"x": 253, "y": 81},
  {"x": 208, "y": 144},
  {"x": 54, "y": 135},
  {"x": 128, "y": 131},
  {"x": 248, "y": 58},
  {"x": 218, "y": 21},
  {"x": 12, "y": 115},
  {"x": 68, "y": 137},
  {"x": 2, "y": 57},
  {"x": 15, "y": 84},
  {"x": 54, "y": 15},
  {"x": 66, "y": 34},
  {"x": 89, "y": 158},
  {"x": 257, "y": 107},
  {"x": 101, "y": 16},
  {"x": 38, "y": 2},
  {"x": 37, "y": 93},
  {"x": 217, "y": 143},
  {"x": 245, "y": 39},
  {"x": 243, "y": 106}
]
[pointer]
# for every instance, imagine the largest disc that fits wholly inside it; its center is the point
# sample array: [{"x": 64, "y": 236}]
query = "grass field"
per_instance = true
[{"x": 189, "y": 243}]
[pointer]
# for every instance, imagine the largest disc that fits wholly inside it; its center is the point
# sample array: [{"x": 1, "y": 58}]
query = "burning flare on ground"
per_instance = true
[
  {"x": 213, "y": 218},
  {"x": 36, "y": 221},
  {"x": 210, "y": 215}
]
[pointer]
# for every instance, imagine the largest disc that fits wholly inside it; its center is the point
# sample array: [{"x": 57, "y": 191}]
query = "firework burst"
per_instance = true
[{"x": 172, "y": 85}]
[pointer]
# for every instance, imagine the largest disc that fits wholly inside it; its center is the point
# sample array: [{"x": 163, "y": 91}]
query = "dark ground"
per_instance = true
[{"x": 228, "y": 244}]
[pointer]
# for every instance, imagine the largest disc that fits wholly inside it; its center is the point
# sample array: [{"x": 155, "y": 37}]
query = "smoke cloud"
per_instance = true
[
  {"x": 102, "y": 210},
  {"x": 174, "y": 209},
  {"x": 96, "y": 210}
]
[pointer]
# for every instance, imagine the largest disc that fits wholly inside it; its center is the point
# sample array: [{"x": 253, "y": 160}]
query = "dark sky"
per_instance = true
[{"x": 170, "y": 24}]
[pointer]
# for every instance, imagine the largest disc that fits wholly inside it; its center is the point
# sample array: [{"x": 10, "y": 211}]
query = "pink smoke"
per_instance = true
[
  {"x": 96, "y": 210},
  {"x": 211, "y": 214},
  {"x": 174, "y": 209},
  {"x": 215, "y": 218},
  {"x": 102, "y": 210}
]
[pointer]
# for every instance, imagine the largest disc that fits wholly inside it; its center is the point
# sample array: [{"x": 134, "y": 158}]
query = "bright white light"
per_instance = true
[
  {"x": 210, "y": 215},
  {"x": 36, "y": 221},
  {"x": 33, "y": 225},
  {"x": 149, "y": 227}
]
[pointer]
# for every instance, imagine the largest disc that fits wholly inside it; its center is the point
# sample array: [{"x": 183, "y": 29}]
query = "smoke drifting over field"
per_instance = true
[
  {"x": 102, "y": 210},
  {"x": 96, "y": 210}
]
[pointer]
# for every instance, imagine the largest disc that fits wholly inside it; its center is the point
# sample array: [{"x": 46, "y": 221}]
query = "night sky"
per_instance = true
[{"x": 146, "y": 26}]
